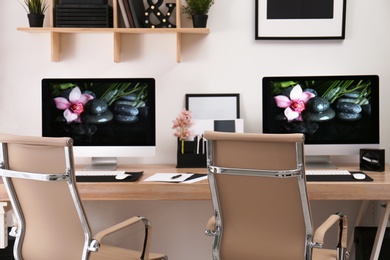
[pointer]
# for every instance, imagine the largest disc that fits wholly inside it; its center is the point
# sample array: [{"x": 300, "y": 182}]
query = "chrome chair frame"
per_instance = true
[
  {"x": 298, "y": 173},
  {"x": 91, "y": 244}
]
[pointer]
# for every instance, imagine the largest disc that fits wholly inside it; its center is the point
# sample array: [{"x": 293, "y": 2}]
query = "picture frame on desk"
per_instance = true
[
  {"x": 300, "y": 19},
  {"x": 214, "y": 106}
]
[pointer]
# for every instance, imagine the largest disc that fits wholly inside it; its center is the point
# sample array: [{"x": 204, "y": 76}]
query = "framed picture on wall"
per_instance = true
[
  {"x": 213, "y": 106},
  {"x": 300, "y": 19}
]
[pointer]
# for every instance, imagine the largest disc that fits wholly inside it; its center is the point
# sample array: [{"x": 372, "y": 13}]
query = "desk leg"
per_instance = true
[
  {"x": 362, "y": 212},
  {"x": 380, "y": 233},
  {"x": 3, "y": 226}
]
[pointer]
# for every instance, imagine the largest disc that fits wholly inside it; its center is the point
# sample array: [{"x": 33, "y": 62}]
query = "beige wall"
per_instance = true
[{"x": 227, "y": 60}]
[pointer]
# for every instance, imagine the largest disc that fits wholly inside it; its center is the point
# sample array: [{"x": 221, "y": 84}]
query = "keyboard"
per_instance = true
[
  {"x": 98, "y": 173},
  {"x": 327, "y": 172},
  {"x": 332, "y": 175}
]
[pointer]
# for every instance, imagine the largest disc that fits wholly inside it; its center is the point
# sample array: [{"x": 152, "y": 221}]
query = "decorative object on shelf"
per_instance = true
[
  {"x": 297, "y": 19},
  {"x": 181, "y": 125},
  {"x": 35, "y": 11},
  {"x": 35, "y": 20},
  {"x": 164, "y": 19},
  {"x": 197, "y": 10},
  {"x": 200, "y": 20},
  {"x": 83, "y": 15},
  {"x": 84, "y": 2}
]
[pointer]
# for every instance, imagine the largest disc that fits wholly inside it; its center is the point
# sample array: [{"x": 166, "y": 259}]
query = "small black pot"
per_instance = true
[
  {"x": 35, "y": 20},
  {"x": 199, "y": 20}
]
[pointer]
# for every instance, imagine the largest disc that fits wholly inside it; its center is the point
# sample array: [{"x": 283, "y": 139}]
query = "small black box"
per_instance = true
[
  {"x": 372, "y": 160},
  {"x": 84, "y": 2},
  {"x": 7, "y": 253},
  {"x": 86, "y": 16},
  {"x": 364, "y": 241},
  {"x": 192, "y": 157}
]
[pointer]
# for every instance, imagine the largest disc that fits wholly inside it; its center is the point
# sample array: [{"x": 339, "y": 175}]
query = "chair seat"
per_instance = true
[
  {"x": 324, "y": 254},
  {"x": 116, "y": 253}
]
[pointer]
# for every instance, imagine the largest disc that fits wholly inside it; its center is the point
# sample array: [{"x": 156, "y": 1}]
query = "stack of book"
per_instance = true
[
  {"x": 83, "y": 15},
  {"x": 133, "y": 13}
]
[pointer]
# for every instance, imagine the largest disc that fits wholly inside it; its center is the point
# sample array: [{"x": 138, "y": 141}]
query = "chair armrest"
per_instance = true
[
  {"x": 319, "y": 234},
  {"x": 210, "y": 227},
  {"x": 211, "y": 224},
  {"x": 131, "y": 221}
]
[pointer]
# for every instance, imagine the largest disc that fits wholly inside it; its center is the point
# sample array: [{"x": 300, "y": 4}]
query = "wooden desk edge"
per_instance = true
[{"x": 379, "y": 189}]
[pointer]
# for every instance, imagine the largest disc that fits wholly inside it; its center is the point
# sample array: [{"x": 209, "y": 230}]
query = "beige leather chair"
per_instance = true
[
  {"x": 51, "y": 223},
  {"x": 261, "y": 208}
]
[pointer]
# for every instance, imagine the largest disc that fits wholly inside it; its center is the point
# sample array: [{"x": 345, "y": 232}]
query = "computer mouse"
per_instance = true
[
  {"x": 359, "y": 175},
  {"x": 122, "y": 176}
]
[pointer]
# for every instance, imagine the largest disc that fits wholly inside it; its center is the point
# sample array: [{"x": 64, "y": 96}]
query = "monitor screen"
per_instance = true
[
  {"x": 105, "y": 117},
  {"x": 329, "y": 110}
]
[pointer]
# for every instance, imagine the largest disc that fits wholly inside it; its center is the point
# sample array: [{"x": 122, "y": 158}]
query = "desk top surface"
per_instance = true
[{"x": 379, "y": 189}]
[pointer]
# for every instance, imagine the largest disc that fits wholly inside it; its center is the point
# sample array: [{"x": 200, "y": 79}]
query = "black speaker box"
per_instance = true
[
  {"x": 86, "y": 16},
  {"x": 372, "y": 160}
]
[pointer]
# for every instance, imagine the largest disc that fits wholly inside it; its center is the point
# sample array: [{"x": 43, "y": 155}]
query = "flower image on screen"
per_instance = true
[
  {"x": 326, "y": 110},
  {"x": 101, "y": 111}
]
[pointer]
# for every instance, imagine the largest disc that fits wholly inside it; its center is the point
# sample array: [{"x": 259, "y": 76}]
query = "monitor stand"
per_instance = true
[
  {"x": 102, "y": 164},
  {"x": 319, "y": 162}
]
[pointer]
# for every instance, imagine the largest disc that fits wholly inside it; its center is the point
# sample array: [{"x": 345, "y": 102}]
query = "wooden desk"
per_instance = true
[{"x": 378, "y": 190}]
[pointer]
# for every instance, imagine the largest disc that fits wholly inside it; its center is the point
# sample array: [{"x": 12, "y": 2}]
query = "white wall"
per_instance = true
[{"x": 225, "y": 61}]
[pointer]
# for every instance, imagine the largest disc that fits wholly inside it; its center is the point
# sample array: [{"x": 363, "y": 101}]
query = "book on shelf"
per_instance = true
[
  {"x": 137, "y": 9},
  {"x": 124, "y": 15},
  {"x": 129, "y": 13}
]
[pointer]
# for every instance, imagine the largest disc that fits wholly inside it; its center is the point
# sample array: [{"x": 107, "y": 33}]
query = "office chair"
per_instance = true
[
  {"x": 39, "y": 176},
  {"x": 260, "y": 202}
]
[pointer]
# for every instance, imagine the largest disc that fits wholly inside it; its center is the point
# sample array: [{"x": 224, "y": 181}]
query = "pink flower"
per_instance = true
[
  {"x": 294, "y": 105},
  {"x": 181, "y": 125},
  {"x": 73, "y": 107}
]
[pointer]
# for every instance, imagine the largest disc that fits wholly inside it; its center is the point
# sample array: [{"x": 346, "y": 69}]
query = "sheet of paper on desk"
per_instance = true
[
  {"x": 168, "y": 177},
  {"x": 171, "y": 177}
]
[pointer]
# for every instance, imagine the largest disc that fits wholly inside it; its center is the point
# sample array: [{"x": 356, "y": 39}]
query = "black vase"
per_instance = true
[
  {"x": 35, "y": 20},
  {"x": 199, "y": 20}
]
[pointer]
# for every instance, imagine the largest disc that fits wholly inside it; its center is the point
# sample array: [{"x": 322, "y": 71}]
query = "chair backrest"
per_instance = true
[
  {"x": 259, "y": 196},
  {"x": 38, "y": 173}
]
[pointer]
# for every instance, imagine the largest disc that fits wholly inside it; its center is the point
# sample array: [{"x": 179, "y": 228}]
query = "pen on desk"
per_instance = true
[
  {"x": 197, "y": 143},
  {"x": 176, "y": 176},
  {"x": 203, "y": 145}
]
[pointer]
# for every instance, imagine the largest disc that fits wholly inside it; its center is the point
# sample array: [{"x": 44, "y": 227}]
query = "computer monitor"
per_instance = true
[
  {"x": 106, "y": 117},
  {"x": 337, "y": 114}
]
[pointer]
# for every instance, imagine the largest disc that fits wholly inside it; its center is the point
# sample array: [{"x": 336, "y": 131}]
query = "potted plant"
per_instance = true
[
  {"x": 35, "y": 11},
  {"x": 197, "y": 10}
]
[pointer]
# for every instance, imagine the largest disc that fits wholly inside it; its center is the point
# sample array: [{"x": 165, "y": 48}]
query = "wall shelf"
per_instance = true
[{"x": 117, "y": 32}]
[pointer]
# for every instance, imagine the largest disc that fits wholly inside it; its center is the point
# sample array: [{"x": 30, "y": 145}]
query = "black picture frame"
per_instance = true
[
  {"x": 277, "y": 20},
  {"x": 214, "y": 106}
]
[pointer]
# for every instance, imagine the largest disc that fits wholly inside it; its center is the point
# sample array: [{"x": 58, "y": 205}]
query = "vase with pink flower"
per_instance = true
[
  {"x": 188, "y": 153},
  {"x": 181, "y": 124}
]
